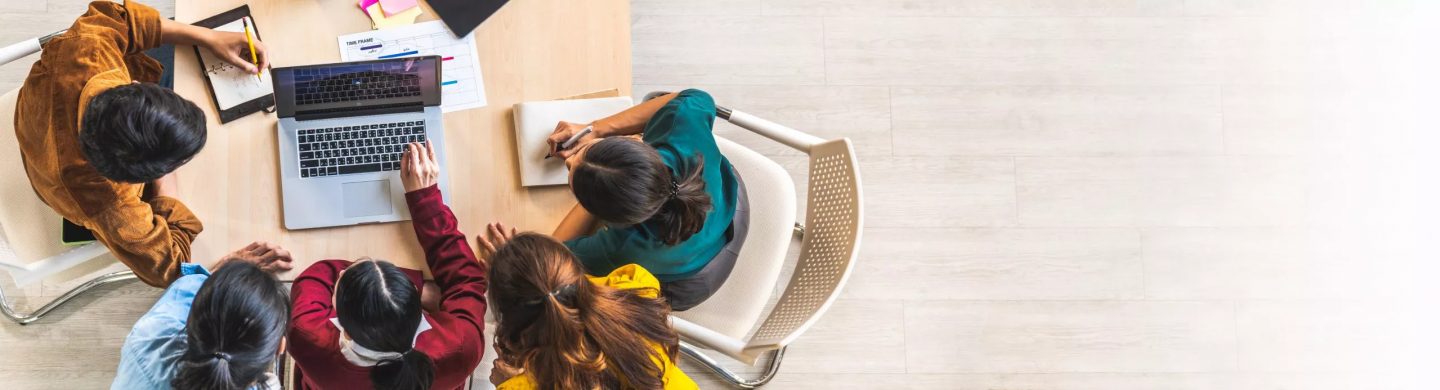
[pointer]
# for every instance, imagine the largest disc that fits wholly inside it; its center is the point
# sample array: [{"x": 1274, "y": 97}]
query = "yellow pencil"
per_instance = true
[{"x": 253, "y": 58}]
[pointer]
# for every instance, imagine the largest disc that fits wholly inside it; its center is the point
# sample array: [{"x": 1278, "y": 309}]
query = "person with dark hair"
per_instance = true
[
  {"x": 668, "y": 200},
  {"x": 100, "y": 140},
  {"x": 561, "y": 329},
  {"x": 220, "y": 331},
  {"x": 360, "y": 325}
]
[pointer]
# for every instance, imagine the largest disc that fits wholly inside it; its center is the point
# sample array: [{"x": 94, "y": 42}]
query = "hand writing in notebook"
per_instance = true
[
  {"x": 563, "y": 132},
  {"x": 229, "y": 46},
  {"x": 235, "y": 49}
]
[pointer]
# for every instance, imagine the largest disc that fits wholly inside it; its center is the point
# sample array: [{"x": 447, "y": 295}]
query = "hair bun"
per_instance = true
[{"x": 221, "y": 356}]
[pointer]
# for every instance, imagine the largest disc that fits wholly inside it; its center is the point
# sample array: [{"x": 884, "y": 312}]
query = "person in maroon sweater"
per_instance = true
[{"x": 359, "y": 325}]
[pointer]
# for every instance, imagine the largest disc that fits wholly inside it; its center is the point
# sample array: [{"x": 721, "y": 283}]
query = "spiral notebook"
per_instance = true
[{"x": 234, "y": 92}]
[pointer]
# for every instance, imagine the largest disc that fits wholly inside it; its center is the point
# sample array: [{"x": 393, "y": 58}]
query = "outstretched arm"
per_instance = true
[
  {"x": 629, "y": 122},
  {"x": 451, "y": 260},
  {"x": 230, "y": 46},
  {"x": 578, "y": 223}
]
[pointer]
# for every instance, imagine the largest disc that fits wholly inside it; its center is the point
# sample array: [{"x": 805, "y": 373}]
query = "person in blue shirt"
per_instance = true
[
  {"x": 212, "y": 331},
  {"x": 668, "y": 200}
]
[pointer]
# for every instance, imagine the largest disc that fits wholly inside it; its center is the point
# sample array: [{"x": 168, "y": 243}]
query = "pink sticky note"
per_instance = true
[
  {"x": 392, "y": 7},
  {"x": 366, "y": 3}
]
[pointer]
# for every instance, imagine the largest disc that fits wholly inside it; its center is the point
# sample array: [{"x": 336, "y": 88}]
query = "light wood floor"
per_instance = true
[{"x": 1100, "y": 194}]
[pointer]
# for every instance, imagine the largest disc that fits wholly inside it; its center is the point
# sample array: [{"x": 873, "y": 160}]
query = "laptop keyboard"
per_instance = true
[
  {"x": 353, "y": 83},
  {"x": 343, "y": 150}
]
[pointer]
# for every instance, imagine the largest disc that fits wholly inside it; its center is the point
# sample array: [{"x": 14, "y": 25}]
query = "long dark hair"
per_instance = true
[
  {"x": 380, "y": 308},
  {"x": 234, "y": 330},
  {"x": 569, "y": 333},
  {"x": 623, "y": 181}
]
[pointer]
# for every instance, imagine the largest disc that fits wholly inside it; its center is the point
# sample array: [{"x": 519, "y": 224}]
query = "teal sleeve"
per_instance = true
[
  {"x": 594, "y": 251},
  {"x": 684, "y": 124}
]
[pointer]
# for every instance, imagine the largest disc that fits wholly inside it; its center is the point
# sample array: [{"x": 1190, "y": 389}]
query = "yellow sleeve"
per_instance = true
[
  {"x": 674, "y": 378},
  {"x": 631, "y": 277},
  {"x": 518, "y": 382}
]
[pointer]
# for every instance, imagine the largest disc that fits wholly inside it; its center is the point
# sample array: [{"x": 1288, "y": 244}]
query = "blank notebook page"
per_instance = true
[{"x": 535, "y": 121}]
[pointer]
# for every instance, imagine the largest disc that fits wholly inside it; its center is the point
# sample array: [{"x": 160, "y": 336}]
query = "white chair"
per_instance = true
[
  {"x": 32, "y": 230},
  {"x": 730, "y": 321}
]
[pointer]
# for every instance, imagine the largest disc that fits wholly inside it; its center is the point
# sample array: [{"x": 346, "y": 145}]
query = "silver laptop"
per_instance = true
[{"x": 343, "y": 128}]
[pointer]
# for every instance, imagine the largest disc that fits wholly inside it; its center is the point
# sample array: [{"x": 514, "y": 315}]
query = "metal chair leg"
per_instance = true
[
  {"x": 26, "y": 319},
  {"x": 731, "y": 376}
]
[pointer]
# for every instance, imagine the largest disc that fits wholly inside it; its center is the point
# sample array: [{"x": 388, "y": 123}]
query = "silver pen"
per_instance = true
[{"x": 573, "y": 139}]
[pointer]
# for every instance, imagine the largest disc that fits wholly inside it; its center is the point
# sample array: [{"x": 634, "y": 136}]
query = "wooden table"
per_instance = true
[{"x": 529, "y": 50}]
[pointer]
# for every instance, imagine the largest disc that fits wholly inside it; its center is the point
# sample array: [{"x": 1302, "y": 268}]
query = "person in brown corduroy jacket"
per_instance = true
[{"x": 100, "y": 140}]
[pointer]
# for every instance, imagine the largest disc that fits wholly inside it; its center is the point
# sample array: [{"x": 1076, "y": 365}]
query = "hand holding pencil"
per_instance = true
[
  {"x": 237, "y": 48},
  {"x": 251, "y": 42}
]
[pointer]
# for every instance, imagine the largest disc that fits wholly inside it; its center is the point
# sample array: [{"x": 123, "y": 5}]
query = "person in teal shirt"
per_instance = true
[{"x": 667, "y": 199}]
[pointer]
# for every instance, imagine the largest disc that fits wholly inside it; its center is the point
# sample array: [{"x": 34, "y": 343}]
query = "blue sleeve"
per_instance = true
[
  {"x": 595, "y": 251},
  {"x": 158, "y": 336},
  {"x": 172, "y": 309}
]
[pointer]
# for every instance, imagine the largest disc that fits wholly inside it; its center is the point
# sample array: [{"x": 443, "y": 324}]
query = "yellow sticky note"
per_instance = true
[{"x": 379, "y": 21}]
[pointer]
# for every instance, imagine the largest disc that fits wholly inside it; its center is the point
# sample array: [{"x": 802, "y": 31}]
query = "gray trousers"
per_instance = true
[{"x": 687, "y": 293}]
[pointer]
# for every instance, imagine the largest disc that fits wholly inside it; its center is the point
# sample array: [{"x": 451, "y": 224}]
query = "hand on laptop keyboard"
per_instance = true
[{"x": 418, "y": 169}]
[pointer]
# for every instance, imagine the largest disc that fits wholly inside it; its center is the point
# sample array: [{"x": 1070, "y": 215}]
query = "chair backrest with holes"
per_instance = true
[{"x": 831, "y": 243}]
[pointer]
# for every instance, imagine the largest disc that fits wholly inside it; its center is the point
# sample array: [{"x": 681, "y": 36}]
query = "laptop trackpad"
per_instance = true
[{"x": 367, "y": 198}]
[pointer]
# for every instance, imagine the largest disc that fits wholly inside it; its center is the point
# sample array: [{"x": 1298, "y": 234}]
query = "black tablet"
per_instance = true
[
  {"x": 234, "y": 92},
  {"x": 72, "y": 234}
]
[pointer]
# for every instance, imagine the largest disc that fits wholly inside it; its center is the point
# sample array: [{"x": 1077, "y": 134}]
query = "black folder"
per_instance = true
[{"x": 463, "y": 16}]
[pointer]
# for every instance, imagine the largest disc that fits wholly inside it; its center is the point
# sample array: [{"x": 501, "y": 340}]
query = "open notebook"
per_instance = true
[{"x": 534, "y": 121}]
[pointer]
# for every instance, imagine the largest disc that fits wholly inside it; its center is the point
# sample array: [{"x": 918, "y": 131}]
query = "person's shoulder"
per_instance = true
[
  {"x": 189, "y": 283},
  {"x": 695, "y": 96},
  {"x": 629, "y": 277},
  {"x": 518, "y": 382},
  {"x": 693, "y": 102},
  {"x": 84, "y": 44}
]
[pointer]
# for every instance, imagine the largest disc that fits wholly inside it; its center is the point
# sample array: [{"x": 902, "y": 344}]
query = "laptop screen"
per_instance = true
[{"x": 354, "y": 86}]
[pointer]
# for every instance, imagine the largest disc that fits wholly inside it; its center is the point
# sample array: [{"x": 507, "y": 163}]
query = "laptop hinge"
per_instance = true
[{"x": 368, "y": 110}]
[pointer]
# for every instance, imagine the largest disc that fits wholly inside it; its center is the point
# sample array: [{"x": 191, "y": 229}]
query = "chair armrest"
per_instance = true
[
  {"x": 795, "y": 139},
  {"x": 708, "y": 338},
  {"x": 18, "y": 50}
]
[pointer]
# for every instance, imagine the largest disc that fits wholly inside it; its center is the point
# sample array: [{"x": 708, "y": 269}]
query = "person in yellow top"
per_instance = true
[{"x": 562, "y": 329}]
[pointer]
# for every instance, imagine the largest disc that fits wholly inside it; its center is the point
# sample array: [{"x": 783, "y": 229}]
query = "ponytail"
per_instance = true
[
  {"x": 623, "y": 181},
  {"x": 207, "y": 373},
  {"x": 683, "y": 213},
  {"x": 413, "y": 370},
  {"x": 234, "y": 329},
  {"x": 568, "y": 333}
]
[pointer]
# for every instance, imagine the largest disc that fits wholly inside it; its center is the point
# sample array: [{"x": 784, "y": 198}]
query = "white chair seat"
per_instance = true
[{"x": 735, "y": 309}]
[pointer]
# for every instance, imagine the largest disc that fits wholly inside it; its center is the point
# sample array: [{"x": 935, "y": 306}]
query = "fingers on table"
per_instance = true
[
  {"x": 485, "y": 244},
  {"x": 258, "y": 248},
  {"x": 495, "y": 231}
]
